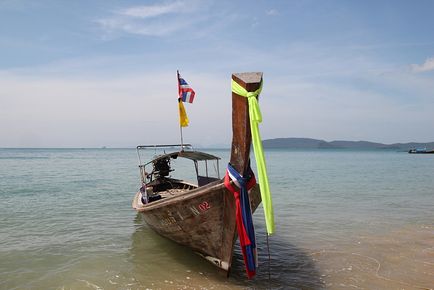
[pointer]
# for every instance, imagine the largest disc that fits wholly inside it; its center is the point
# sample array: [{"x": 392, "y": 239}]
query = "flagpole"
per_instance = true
[
  {"x": 182, "y": 141},
  {"x": 180, "y": 126},
  {"x": 185, "y": 94}
]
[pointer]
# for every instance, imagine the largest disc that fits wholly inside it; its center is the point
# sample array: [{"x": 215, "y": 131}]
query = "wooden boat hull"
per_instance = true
[{"x": 202, "y": 219}]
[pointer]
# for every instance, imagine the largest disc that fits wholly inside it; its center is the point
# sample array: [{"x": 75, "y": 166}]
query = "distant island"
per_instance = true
[{"x": 308, "y": 143}]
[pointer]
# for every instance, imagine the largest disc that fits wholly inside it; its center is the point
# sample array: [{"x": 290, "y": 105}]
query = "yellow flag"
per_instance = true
[{"x": 183, "y": 119}]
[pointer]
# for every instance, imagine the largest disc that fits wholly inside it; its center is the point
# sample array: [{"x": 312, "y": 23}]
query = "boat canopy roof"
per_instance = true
[
  {"x": 192, "y": 155},
  {"x": 186, "y": 151}
]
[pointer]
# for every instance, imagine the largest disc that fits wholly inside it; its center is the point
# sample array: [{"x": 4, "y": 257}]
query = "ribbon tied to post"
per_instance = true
[{"x": 255, "y": 117}]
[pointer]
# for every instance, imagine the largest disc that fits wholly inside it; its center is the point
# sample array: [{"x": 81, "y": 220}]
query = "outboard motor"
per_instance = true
[{"x": 162, "y": 167}]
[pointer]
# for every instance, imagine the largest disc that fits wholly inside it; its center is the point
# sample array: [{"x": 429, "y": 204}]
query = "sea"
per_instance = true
[{"x": 345, "y": 219}]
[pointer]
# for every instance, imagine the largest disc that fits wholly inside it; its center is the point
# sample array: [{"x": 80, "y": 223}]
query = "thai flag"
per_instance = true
[{"x": 186, "y": 93}]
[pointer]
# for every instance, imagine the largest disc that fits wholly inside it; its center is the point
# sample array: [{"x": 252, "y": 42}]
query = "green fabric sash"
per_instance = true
[{"x": 256, "y": 118}]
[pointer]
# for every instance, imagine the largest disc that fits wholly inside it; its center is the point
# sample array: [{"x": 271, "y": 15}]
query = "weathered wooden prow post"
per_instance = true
[{"x": 242, "y": 137}]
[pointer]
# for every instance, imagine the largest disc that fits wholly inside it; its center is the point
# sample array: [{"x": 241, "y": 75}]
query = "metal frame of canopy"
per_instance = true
[{"x": 190, "y": 154}]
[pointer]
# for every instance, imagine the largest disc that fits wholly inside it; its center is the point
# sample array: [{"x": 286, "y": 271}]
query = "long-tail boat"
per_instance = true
[
  {"x": 420, "y": 151},
  {"x": 201, "y": 216}
]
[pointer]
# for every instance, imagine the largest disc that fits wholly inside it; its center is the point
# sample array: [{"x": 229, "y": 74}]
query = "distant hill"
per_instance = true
[{"x": 308, "y": 143}]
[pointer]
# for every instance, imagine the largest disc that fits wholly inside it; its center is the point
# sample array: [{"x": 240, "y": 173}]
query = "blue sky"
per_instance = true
[{"x": 103, "y": 73}]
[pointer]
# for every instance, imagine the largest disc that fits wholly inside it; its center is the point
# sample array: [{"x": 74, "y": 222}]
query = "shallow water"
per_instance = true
[{"x": 344, "y": 220}]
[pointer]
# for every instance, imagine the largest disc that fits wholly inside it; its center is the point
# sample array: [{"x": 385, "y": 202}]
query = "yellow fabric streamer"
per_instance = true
[
  {"x": 183, "y": 119},
  {"x": 255, "y": 117}
]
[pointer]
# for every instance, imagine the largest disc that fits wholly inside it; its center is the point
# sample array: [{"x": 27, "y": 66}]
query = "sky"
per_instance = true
[{"x": 103, "y": 73}]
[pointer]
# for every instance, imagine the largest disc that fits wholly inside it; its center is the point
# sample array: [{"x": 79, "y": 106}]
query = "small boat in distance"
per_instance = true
[
  {"x": 202, "y": 214},
  {"x": 420, "y": 151}
]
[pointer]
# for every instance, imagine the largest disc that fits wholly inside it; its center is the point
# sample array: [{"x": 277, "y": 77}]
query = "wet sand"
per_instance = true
[{"x": 400, "y": 259}]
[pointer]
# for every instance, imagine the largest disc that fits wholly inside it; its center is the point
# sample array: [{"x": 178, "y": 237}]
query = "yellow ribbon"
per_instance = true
[{"x": 255, "y": 117}]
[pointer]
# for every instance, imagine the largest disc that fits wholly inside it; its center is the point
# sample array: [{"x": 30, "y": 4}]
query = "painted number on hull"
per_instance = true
[
  {"x": 204, "y": 206},
  {"x": 168, "y": 221}
]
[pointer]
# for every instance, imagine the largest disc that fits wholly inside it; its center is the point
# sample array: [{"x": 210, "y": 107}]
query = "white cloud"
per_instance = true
[
  {"x": 428, "y": 65},
  {"x": 328, "y": 93},
  {"x": 146, "y": 29},
  {"x": 332, "y": 111},
  {"x": 272, "y": 12},
  {"x": 154, "y": 20},
  {"x": 48, "y": 110},
  {"x": 147, "y": 11}
]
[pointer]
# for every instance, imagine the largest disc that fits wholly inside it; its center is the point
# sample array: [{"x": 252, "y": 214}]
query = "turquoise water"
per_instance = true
[{"x": 343, "y": 218}]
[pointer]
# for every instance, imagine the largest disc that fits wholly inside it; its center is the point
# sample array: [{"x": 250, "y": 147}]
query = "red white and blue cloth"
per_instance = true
[
  {"x": 246, "y": 231},
  {"x": 186, "y": 93}
]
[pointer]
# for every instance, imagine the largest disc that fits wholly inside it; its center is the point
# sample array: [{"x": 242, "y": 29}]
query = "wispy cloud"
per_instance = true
[
  {"x": 133, "y": 27},
  {"x": 428, "y": 65},
  {"x": 271, "y": 12},
  {"x": 153, "y": 20},
  {"x": 147, "y": 11}
]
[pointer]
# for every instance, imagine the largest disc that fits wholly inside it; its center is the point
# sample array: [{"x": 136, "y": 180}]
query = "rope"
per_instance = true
[{"x": 269, "y": 260}]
